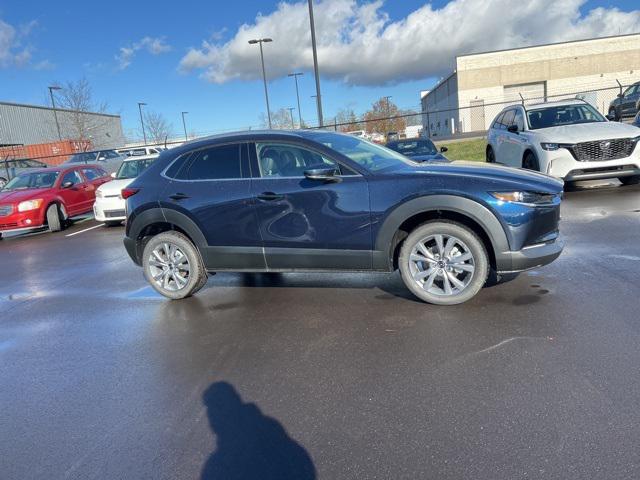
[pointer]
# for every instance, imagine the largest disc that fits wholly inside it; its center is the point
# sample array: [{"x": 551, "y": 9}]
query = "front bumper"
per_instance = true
[
  {"x": 562, "y": 164},
  {"x": 530, "y": 257},
  {"x": 22, "y": 221}
]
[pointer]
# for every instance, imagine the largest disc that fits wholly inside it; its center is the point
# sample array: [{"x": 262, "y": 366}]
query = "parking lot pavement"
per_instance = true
[{"x": 327, "y": 375}]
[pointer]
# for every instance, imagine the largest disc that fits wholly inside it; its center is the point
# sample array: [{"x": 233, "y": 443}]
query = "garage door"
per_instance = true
[{"x": 529, "y": 91}]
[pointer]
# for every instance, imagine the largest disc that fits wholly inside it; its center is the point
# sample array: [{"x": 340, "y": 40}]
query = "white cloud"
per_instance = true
[
  {"x": 12, "y": 51},
  {"x": 360, "y": 45},
  {"x": 154, "y": 46}
]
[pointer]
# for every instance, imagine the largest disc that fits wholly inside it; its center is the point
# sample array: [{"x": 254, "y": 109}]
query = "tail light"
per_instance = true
[{"x": 128, "y": 192}]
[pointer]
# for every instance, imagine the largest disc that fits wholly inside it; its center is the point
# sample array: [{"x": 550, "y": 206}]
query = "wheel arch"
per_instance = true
[{"x": 397, "y": 225}]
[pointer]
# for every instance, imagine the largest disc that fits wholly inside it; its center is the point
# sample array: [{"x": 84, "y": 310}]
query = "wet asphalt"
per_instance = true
[{"x": 323, "y": 375}]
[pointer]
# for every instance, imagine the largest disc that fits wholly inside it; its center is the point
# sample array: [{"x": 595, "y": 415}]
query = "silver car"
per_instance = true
[
  {"x": 109, "y": 160},
  {"x": 13, "y": 168}
]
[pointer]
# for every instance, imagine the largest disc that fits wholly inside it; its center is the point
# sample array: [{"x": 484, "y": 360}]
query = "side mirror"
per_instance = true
[
  {"x": 620, "y": 95},
  {"x": 513, "y": 128},
  {"x": 67, "y": 184},
  {"x": 443, "y": 149},
  {"x": 113, "y": 174},
  {"x": 321, "y": 173}
]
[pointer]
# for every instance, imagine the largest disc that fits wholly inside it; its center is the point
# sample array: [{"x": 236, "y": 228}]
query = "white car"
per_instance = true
[
  {"x": 140, "y": 151},
  {"x": 109, "y": 206},
  {"x": 569, "y": 139}
]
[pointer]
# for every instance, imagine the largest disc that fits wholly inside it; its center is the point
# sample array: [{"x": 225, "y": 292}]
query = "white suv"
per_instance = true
[{"x": 568, "y": 139}]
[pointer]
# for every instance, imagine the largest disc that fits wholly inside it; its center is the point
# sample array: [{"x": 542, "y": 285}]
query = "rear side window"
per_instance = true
[
  {"x": 177, "y": 170},
  {"x": 216, "y": 163},
  {"x": 508, "y": 118},
  {"x": 91, "y": 173}
]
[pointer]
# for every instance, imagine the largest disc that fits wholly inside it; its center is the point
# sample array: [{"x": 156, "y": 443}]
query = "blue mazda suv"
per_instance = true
[{"x": 288, "y": 201}]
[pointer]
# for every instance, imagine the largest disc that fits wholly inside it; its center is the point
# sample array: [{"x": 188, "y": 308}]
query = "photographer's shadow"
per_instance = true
[{"x": 250, "y": 445}]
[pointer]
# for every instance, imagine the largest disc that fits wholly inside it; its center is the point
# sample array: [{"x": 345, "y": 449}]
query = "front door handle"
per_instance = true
[
  {"x": 178, "y": 196},
  {"x": 270, "y": 196}
]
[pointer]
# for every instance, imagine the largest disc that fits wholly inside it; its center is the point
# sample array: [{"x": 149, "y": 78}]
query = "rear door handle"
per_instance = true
[
  {"x": 178, "y": 196},
  {"x": 270, "y": 196}
]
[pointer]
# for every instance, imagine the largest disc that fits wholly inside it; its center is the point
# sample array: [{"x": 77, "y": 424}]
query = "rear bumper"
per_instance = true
[{"x": 530, "y": 257}]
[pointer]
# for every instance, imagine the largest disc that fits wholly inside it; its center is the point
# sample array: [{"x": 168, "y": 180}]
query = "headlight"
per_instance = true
[
  {"x": 29, "y": 205},
  {"x": 528, "y": 198},
  {"x": 555, "y": 146}
]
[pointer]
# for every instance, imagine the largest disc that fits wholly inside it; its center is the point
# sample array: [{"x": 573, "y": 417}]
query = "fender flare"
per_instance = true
[{"x": 451, "y": 203}]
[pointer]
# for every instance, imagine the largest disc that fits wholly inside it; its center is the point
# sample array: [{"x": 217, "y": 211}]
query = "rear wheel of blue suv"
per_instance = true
[{"x": 322, "y": 201}]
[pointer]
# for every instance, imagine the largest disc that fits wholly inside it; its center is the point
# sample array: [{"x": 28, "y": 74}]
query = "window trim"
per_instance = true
[
  {"x": 296, "y": 145},
  {"x": 243, "y": 167}
]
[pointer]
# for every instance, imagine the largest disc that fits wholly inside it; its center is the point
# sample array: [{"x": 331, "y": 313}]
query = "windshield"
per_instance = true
[
  {"x": 32, "y": 180},
  {"x": 563, "y": 115},
  {"x": 83, "y": 158},
  {"x": 415, "y": 147},
  {"x": 133, "y": 168},
  {"x": 363, "y": 152}
]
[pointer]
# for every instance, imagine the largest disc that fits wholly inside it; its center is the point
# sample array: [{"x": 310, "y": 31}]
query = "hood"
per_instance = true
[
  {"x": 586, "y": 132},
  {"x": 502, "y": 176},
  {"x": 114, "y": 187},
  {"x": 17, "y": 196},
  {"x": 435, "y": 157}
]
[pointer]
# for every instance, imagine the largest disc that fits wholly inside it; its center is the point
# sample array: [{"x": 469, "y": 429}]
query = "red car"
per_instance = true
[{"x": 49, "y": 196}]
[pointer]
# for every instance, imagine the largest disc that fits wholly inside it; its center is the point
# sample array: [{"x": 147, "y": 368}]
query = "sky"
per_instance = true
[{"x": 193, "y": 56}]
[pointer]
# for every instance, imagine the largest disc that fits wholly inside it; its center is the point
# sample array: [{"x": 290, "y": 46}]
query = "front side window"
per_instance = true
[
  {"x": 519, "y": 120},
  {"x": 497, "y": 123},
  {"x": 282, "y": 160},
  {"x": 32, "y": 180},
  {"x": 507, "y": 119},
  {"x": 215, "y": 163},
  {"x": 73, "y": 177},
  {"x": 563, "y": 115},
  {"x": 367, "y": 154},
  {"x": 630, "y": 91}
]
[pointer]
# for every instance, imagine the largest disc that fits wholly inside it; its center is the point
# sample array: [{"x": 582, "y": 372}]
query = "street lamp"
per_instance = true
[
  {"x": 53, "y": 104},
  {"x": 315, "y": 63},
  {"x": 291, "y": 109},
  {"x": 295, "y": 76},
  {"x": 144, "y": 134},
  {"x": 264, "y": 74},
  {"x": 184, "y": 125}
]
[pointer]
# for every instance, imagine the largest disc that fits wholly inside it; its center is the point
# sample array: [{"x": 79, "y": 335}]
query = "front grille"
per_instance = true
[
  {"x": 603, "y": 149},
  {"x": 5, "y": 210},
  {"x": 114, "y": 213}
]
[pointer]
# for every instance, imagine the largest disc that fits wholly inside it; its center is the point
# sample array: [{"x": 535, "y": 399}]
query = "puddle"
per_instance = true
[{"x": 144, "y": 293}]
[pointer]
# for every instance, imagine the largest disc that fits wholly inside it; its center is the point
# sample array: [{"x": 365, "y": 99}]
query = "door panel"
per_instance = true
[
  {"x": 311, "y": 224},
  {"x": 75, "y": 197}
]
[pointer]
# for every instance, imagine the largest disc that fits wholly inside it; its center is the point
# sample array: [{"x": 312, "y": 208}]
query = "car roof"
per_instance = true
[
  {"x": 141, "y": 157},
  {"x": 556, "y": 103}
]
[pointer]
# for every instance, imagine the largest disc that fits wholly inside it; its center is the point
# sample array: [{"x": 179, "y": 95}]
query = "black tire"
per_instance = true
[
  {"x": 468, "y": 242},
  {"x": 53, "y": 218},
  {"x": 613, "y": 112},
  {"x": 530, "y": 162},
  {"x": 196, "y": 277},
  {"x": 116, "y": 223},
  {"x": 490, "y": 155},
  {"x": 632, "y": 180}
]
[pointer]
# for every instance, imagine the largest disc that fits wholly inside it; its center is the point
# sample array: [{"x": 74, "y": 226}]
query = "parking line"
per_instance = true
[{"x": 85, "y": 230}]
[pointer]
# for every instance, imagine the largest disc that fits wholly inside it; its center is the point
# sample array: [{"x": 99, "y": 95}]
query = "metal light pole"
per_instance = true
[
  {"x": 55, "y": 112},
  {"x": 315, "y": 63},
  {"x": 264, "y": 75},
  {"x": 295, "y": 76},
  {"x": 293, "y": 124},
  {"x": 144, "y": 134},
  {"x": 184, "y": 125}
]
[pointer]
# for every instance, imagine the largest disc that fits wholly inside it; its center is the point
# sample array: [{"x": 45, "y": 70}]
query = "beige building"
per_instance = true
[{"x": 483, "y": 83}]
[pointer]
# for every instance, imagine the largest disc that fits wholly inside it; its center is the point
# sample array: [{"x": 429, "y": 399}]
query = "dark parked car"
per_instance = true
[
  {"x": 13, "y": 168},
  {"x": 627, "y": 103},
  {"x": 323, "y": 201},
  {"x": 636, "y": 120},
  {"x": 420, "y": 150}
]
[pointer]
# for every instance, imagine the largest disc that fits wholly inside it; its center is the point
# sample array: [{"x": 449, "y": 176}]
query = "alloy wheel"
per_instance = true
[
  {"x": 442, "y": 265},
  {"x": 169, "y": 267}
]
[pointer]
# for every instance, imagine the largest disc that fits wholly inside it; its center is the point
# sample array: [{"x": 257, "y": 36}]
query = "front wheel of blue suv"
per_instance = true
[{"x": 443, "y": 263}]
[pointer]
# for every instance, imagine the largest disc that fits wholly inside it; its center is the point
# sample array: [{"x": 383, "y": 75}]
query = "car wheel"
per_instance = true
[
  {"x": 530, "y": 162},
  {"x": 53, "y": 218},
  {"x": 491, "y": 157},
  {"x": 3, "y": 182},
  {"x": 113, "y": 224},
  {"x": 613, "y": 112},
  {"x": 632, "y": 180},
  {"x": 443, "y": 263},
  {"x": 173, "y": 266}
]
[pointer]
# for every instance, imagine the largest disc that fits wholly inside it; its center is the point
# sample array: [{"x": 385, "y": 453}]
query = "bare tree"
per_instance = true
[
  {"x": 347, "y": 120},
  {"x": 280, "y": 119},
  {"x": 378, "y": 118},
  {"x": 157, "y": 127},
  {"x": 79, "y": 124}
]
